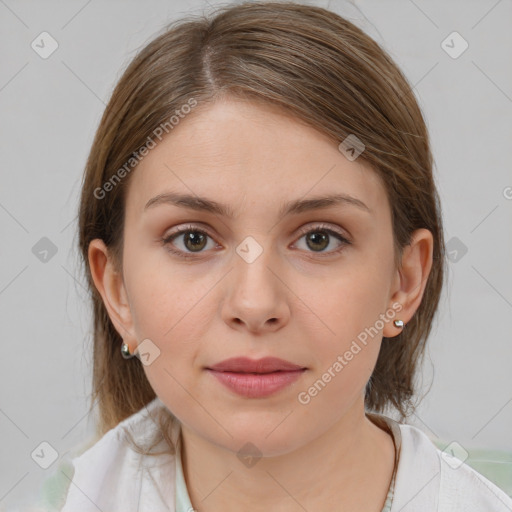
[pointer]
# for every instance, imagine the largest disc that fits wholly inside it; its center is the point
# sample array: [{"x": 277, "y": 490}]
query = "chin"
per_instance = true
[{"x": 258, "y": 440}]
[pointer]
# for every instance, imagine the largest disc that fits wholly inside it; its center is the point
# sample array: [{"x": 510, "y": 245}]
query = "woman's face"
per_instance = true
[{"x": 258, "y": 282}]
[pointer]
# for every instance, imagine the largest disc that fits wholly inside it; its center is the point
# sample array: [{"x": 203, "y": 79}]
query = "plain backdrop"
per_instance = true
[{"x": 49, "y": 111}]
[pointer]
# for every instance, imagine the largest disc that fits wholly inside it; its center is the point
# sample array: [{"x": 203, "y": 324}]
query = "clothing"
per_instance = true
[{"x": 111, "y": 476}]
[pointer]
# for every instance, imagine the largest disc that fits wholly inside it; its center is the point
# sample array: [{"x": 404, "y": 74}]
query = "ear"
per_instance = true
[
  {"x": 411, "y": 278},
  {"x": 110, "y": 285}
]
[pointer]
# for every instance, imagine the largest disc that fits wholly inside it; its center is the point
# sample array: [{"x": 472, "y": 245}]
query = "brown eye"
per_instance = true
[
  {"x": 193, "y": 240},
  {"x": 317, "y": 240}
]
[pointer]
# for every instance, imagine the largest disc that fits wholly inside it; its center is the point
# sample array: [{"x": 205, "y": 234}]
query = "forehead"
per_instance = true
[{"x": 237, "y": 151}]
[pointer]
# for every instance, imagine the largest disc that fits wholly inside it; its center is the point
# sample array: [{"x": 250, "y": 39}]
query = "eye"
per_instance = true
[
  {"x": 319, "y": 237},
  {"x": 195, "y": 240}
]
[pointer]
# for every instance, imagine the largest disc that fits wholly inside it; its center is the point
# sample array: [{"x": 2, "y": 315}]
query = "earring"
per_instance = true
[
  {"x": 125, "y": 351},
  {"x": 399, "y": 323}
]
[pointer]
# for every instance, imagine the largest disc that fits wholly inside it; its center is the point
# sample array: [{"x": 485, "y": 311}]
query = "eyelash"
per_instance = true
[{"x": 321, "y": 227}]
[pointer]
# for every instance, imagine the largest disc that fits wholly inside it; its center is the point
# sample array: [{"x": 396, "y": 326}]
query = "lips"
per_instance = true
[
  {"x": 259, "y": 378},
  {"x": 258, "y": 366}
]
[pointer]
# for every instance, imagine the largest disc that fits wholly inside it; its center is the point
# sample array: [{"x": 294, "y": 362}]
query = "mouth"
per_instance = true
[{"x": 256, "y": 379}]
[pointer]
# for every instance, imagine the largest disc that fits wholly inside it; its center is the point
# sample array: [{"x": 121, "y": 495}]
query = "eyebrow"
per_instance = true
[{"x": 293, "y": 207}]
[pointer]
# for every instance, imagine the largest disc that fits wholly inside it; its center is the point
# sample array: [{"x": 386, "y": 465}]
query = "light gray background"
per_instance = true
[{"x": 50, "y": 109}]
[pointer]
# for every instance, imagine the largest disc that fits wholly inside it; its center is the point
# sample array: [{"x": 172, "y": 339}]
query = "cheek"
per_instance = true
[
  {"x": 168, "y": 312},
  {"x": 170, "y": 308},
  {"x": 345, "y": 323},
  {"x": 161, "y": 297},
  {"x": 347, "y": 301}
]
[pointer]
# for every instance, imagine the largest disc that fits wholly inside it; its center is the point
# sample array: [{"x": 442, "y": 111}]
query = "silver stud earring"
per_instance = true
[
  {"x": 125, "y": 350},
  {"x": 399, "y": 324}
]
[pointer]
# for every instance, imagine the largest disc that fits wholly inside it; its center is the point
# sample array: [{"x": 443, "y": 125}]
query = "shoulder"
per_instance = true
[
  {"x": 112, "y": 475},
  {"x": 426, "y": 475}
]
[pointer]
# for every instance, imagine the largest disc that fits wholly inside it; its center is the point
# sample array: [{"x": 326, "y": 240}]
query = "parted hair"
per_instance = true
[{"x": 323, "y": 70}]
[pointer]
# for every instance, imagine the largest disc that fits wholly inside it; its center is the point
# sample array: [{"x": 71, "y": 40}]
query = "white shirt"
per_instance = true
[{"x": 111, "y": 477}]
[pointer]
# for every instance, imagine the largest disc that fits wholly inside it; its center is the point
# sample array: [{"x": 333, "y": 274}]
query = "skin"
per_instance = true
[{"x": 290, "y": 302}]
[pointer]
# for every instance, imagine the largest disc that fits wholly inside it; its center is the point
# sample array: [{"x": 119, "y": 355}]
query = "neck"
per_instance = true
[{"x": 348, "y": 467}]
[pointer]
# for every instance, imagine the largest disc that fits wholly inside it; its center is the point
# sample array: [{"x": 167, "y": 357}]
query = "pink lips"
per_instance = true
[{"x": 256, "y": 378}]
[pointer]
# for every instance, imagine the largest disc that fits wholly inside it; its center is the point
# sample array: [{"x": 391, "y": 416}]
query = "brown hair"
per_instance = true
[{"x": 323, "y": 70}]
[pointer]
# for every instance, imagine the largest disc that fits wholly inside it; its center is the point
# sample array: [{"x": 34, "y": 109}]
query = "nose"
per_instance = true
[{"x": 256, "y": 298}]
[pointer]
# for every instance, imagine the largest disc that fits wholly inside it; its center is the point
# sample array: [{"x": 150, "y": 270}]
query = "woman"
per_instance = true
[{"x": 259, "y": 224}]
